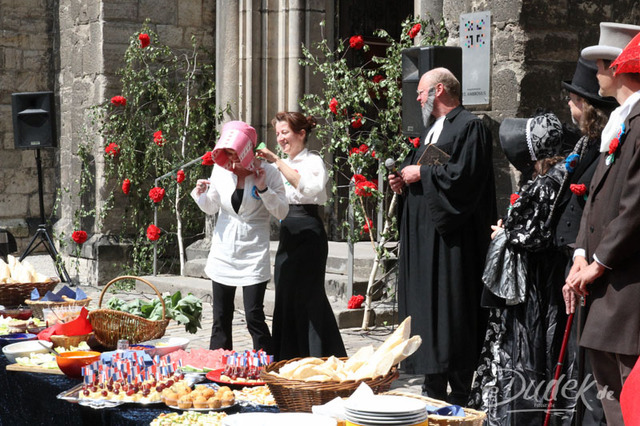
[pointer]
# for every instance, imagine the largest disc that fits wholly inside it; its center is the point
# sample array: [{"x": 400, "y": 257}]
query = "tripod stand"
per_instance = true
[{"x": 42, "y": 236}]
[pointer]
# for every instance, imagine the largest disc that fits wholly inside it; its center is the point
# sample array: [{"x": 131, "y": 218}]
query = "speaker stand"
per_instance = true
[{"x": 42, "y": 236}]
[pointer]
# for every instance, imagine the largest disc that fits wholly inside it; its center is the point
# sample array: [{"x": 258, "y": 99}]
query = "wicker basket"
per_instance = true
[
  {"x": 37, "y": 306},
  {"x": 298, "y": 395},
  {"x": 14, "y": 294},
  {"x": 471, "y": 418},
  {"x": 110, "y": 325},
  {"x": 68, "y": 341}
]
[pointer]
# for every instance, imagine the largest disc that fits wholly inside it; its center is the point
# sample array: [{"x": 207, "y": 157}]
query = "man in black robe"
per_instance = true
[{"x": 445, "y": 231}]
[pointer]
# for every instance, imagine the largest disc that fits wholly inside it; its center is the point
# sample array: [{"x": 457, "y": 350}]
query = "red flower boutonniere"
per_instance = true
[
  {"x": 580, "y": 189},
  {"x": 356, "y": 42},
  {"x": 180, "y": 176},
  {"x": 614, "y": 145},
  {"x": 156, "y": 194},
  {"x": 158, "y": 138},
  {"x": 415, "y": 142},
  {"x": 207, "y": 160},
  {"x": 145, "y": 40},
  {"x": 355, "y": 302},
  {"x": 112, "y": 149},
  {"x": 414, "y": 31},
  {"x": 513, "y": 198},
  {"x": 153, "y": 232},
  {"x": 79, "y": 237},
  {"x": 126, "y": 186},
  {"x": 119, "y": 101}
]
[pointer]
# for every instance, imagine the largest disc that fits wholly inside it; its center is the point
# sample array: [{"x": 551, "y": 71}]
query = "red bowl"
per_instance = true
[{"x": 71, "y": 363}]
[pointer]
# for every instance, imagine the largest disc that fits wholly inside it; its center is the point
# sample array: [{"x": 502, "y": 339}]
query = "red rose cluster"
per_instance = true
[
  {"x": 156, "y": 194},
  {"x": 153, "y": 232},
  {"x": 355, "y": 302},
  {"x": 112, "y": 149},
  {"x": 356, "y": 121},
  {"x": 362, "y": 149},
  {"x": 79, "y": 237},
  {"x": 414, "y": 31},
  {"x": 126, "y": 186},
  {"x": 365, "y": 188},
  {"x": 333, "y": 106},
  {"x": 145, "y": 40},
  {"x": 356, "y": 42},
  {"x": 180, "y": 176},
  {"x": 158, "y": 138},
  {"x": 119, "y": 101},
  {"x": 368, "y": 225},
  {"x": 207, "y": 160}
]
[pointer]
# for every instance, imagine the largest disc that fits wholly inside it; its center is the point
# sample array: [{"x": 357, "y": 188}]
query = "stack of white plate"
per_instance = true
[{"x": 386, "y": 410}]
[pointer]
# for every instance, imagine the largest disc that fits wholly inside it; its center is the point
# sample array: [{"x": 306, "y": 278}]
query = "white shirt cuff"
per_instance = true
[
  {"x": 596, "y": 259},
  {"x": 579, "y": 252}
]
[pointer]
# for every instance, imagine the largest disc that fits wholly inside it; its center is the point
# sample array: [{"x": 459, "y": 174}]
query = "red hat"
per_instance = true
[{"x": 629, "y": 60}]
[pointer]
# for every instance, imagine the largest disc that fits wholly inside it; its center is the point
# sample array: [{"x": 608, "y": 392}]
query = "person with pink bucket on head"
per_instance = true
[{"x": 244, "y": 192}]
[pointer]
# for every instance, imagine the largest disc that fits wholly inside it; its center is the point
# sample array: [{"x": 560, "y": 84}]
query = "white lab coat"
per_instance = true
[{"x": 239, "y": 253}]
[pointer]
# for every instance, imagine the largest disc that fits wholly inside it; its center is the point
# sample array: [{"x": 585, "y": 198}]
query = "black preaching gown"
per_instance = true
[{"x": 444, "y": 235}]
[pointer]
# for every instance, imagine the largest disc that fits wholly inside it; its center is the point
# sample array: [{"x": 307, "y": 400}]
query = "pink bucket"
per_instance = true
[{"x": 239, "y": 137}]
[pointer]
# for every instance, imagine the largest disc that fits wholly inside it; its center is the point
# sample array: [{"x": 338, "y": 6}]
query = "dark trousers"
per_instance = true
[
  {"x": 223, "y": 306},
  {"x": 435, "y": 386},
  {"x": 611, "y": 370}
]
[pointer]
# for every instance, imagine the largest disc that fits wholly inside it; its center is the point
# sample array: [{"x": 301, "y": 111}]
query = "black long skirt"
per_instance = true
[{"x": 303, "y": 321}]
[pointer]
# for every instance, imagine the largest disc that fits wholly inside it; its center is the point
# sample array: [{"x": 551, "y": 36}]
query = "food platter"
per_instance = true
[
  {"x": 73, "y": 395},
  {"x": 214, "y": 376},
  {"x": 175, "y": 407}
]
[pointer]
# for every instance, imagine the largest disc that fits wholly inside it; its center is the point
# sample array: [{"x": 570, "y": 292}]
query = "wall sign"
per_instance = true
[{"x": 475, "y": 41}]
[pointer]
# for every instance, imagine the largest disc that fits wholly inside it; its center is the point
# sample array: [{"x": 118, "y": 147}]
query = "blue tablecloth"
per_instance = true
[{"x": 31, "y": 399}]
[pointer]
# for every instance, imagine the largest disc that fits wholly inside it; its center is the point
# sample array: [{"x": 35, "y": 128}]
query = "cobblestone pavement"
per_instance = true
[{"x": 354, "y": 338}]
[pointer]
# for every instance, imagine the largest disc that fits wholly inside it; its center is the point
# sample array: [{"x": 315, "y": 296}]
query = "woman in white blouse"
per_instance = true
[
  {"x": 244, "y": 192},
  {"x": 303, "y": 321}
]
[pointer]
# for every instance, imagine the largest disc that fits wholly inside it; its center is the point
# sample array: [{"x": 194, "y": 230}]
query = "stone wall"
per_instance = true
[
  {"x": 27, "y": 33},
  {"x": 94, "y": 35}
]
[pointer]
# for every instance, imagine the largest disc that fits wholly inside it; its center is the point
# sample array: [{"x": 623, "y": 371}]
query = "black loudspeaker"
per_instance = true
[
  {"x": 415, "y": 62},
  {"x": 33, "y": 120}
]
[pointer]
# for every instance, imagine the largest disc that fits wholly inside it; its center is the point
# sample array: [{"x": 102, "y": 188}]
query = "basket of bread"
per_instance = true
[
  {"x": 18, "y": 279},
  {"x": 298, "y": 384}
]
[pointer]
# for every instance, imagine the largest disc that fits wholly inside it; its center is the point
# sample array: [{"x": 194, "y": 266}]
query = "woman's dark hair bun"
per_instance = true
[{"x": 311, "y": 122}]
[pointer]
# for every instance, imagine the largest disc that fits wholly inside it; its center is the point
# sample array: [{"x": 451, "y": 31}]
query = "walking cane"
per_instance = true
[{"x": 563, "y": 349}]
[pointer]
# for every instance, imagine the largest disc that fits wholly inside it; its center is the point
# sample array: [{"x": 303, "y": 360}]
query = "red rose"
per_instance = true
[
  {"x": 333, "y": 106},
  {"x": 368, "y": 225},
  {"x": 358, "y": 178},
  {"x": 145, "y": 40},
  {"x": 79, "y": 237},
  {"x": 112, "y": 149},
  {"x": 578, "y": 188},
  {"x": 377, "y": 78},
  {"x": 373, "y": 153},
  {"x": 363, "y": 149},
  {"x": 153, "y": 232},
  {"x": 119, "y": 101},
  {"x": 126, "y": 186},
  {"x": 355, "y": 302},
  {"x": 207, "y": 160},
  {"x": 613, "y": 145},
  {"x": 356, "y": 121},
  {"x": 354, "y": 151},
  {"x": 180, "y": 176},
  {"x": 415, "y": 142},
  {"x": 413, "y": 32},
  {"x": 157, "y": 138},
  {"x": 156, "y": 194},
  {"x": 513, "y": 198},
  {"x": 356, "y": 42},
  {"x": 366, "y": 188}
]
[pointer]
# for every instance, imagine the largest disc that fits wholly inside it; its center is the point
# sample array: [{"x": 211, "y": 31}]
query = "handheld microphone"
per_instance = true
[{"x": 390, "y": 164}]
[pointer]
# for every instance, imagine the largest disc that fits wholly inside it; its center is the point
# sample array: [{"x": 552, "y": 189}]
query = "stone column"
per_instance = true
[{"x": 227, "y": 56}]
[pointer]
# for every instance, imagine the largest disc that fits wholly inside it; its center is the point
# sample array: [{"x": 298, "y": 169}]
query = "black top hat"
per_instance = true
[
  {"x": 526, "y": 140},
  {"x": 585, "y": 84}
]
